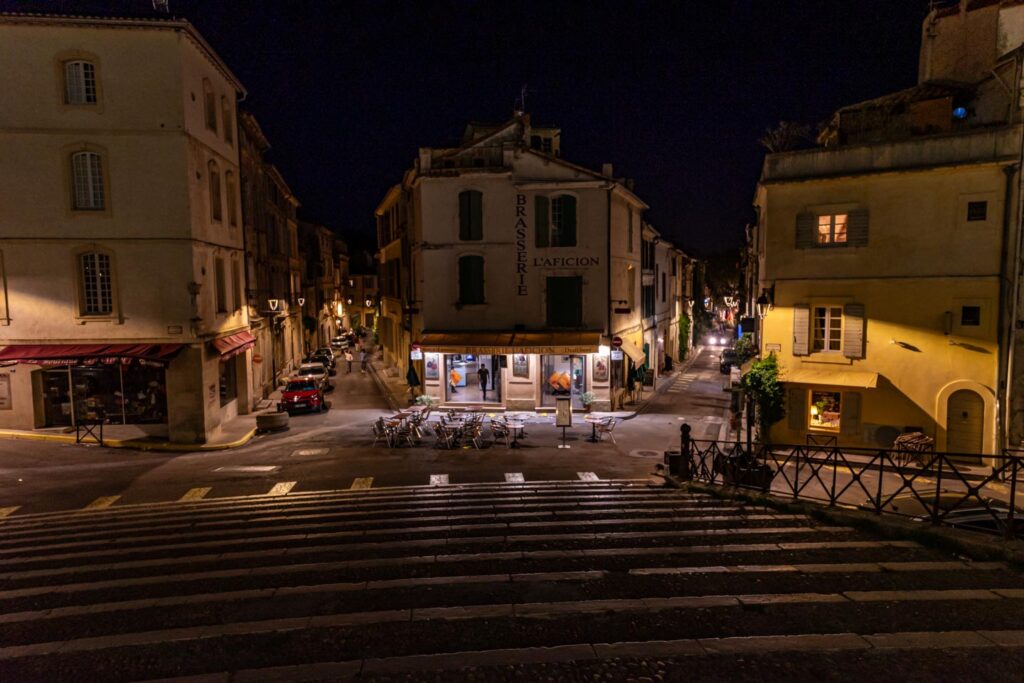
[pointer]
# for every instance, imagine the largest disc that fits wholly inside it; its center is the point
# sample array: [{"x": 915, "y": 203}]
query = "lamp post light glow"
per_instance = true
[
  {"x": 764, "y": 304},
  {"x": 273, "y": 303},
  {"x": 603, "y": 350},
  {"x": 302, "y": 301}
]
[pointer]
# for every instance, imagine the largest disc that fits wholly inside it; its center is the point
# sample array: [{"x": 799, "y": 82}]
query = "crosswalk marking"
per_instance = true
[
  {"x": 361, "y": 483},
  {"x": 588, "y": 476},
  {"x": 281, "y": 488},
  {"x": 7, "y": 512},
  {"x": 438, "y": 479},
  {"x": 514, "y": 477},
  {"x": 195, "y": 494},
  {"x": 102, "y": 502},
  {"x": 248, "y": 468}
]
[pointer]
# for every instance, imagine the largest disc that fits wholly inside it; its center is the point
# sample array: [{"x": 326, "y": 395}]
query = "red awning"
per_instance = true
[
  {"x": 234, "y": 344},
  {"x": 88, "y": 354}
]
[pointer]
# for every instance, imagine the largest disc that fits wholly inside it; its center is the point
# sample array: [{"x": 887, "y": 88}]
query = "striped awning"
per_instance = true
[
  {"x": 511, "y": 342},
  {"x": 88, "y": 354},
  {"x": 234, "y": 344}
]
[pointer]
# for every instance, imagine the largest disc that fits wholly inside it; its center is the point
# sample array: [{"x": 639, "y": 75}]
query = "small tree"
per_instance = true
[
  {"x": 684, "y": 336},
  {"x": 762, "y": 381}
]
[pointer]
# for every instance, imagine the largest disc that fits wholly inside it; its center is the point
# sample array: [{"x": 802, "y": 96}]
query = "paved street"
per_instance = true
[
  {"x": 332, "y": 450},
  {"x": 610, "y": 580}
]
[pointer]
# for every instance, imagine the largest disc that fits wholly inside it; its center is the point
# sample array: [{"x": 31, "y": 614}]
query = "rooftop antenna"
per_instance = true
[
  {"x": 162, "y": 6},
  {"x": 520, "y": 106}
]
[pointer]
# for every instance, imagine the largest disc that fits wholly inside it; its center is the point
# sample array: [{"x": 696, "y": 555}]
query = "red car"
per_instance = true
[{"x": 302, "y": 394}]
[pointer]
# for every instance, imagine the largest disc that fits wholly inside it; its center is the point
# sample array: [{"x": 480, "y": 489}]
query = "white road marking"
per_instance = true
[
  {"x": 195, "y": 494},
  {"x": 281, "y": 488},
  {"x": 102, "y": 502},
  {"x": 587, "y": 476},
  {"x": 311, "y": 451},
  {"x": 514, "y": 477},
  {"x": 7, "y": 512},
  {"x": 361, "y": 483},
  {"x": 438, "y": 479},
  {"x": 248, "y": 468}
]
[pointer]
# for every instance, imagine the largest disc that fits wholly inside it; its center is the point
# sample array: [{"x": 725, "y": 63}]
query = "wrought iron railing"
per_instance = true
[{"x": 970, "y": 491}]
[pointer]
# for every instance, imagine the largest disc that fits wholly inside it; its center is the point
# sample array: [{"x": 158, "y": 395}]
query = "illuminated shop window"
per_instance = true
[{"x": 825, "y": 408}]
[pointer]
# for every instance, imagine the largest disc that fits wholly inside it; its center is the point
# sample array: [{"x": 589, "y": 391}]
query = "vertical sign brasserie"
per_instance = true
[{"x": 521, "y": 244}]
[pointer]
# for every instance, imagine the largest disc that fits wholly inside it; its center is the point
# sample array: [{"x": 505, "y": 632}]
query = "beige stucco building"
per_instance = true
[
  {"x": 121, "y": 261},
  {"x": 500, "y": 254},
  {"x": 890, "y": 254}
]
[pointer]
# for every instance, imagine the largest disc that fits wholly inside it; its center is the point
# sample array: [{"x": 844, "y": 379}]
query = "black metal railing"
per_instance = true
[{"x": 979, "y": 492}]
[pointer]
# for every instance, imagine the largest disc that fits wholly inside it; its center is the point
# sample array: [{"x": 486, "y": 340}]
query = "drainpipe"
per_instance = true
[
  {"x": 608, "y": 283},
  {"x": 1008, "y": 334}
]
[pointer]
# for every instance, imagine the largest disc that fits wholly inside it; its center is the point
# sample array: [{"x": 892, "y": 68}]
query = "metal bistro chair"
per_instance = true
[
  {"x": 474, "y": 434},
  {"x": 381, "y": 432},
  {"x": 607, "y": 427},
  {"x": 443, "y": 436},
  {"x": 500, "y": 432}
]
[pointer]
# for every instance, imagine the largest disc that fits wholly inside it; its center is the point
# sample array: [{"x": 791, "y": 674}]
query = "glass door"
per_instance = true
[
  {"x": 563, "y": 376},
  {"x": 57, "y": 410}
]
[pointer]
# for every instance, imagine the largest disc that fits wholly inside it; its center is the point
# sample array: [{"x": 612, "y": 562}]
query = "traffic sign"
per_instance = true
[{"x": 617, "y": 342}]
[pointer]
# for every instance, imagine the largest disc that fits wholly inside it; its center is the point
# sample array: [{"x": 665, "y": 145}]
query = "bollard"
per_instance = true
[
  {"x": 674, "y": 460},
  {"x": 686, "y": 459}
]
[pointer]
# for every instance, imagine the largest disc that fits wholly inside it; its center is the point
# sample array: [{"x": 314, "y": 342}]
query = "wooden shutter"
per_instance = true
[
  {"x": 540, "y": 221},
  {"x": 853, "y": 330},
  {"x": 471, "y": 280},
  {"x": 857, "y": 228},
  {"x": 567, "y": 230},
  {"x": 796, "y": 409},
  {"x": 565, "y": 301},
  {"x": 849, "y": 414},
  {"x": 801, "y": 329},
  {"x": 806, "y": 224},
  {"x": 470, "y": 215}
]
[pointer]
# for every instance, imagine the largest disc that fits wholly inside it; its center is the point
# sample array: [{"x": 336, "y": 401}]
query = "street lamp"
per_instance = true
[
  {"x": 764, "y": 304},
  {"x": 273, "y": 303},
  {"x": 302, "y": 301}
]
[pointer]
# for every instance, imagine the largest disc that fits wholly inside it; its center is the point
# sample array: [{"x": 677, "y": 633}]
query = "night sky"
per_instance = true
[{"x": 674, "y": 94}]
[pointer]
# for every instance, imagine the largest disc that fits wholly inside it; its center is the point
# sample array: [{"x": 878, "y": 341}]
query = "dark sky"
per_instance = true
[{"x": 674, "y": 94}]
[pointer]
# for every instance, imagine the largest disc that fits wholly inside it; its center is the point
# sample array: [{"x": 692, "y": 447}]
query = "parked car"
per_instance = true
[
  {"x": 323, "y": 357},
  {"x": 302, "y": 394},
  {"x": 315, "y": 371},
  {"x": 729, "y": 359},
  {"x": 339, "y": 343}
]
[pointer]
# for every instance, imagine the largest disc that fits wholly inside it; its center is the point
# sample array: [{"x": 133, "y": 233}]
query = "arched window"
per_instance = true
[
  {"x": 87, "y": 178},
  {"x": 79, "y": 82},
  {"x": 215, "y": 200},
  {"x": 555, "y": 221},
  {"x": 229, "y": 185},
  {"x": 209, "y": 105},
  {"x": 471, "y": 280},
  {"x": 227, "y": 120},
  {"x": 96, "y": 281},
  {"x": 471, "y": 215}
]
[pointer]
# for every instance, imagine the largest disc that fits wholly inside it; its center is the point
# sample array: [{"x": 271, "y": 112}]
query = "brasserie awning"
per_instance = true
[
  {"x": 511, "y": 342},
  {"x": 88, "y": 354},
  {"x": 234, "y": 344},
  {"x": 634, "y": 352}
]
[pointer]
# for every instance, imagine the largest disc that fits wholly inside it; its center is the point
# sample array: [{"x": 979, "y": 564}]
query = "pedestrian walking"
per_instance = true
[
  {"x": 483, "y": 375},
  {"x": 348, "y": 359},
  {"x": 362, "y": 361},
  {"x": 453, "y": 380}
]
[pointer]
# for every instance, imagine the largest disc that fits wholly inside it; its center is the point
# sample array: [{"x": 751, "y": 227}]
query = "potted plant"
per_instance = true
[
  {"x": 587, "y": 399},
  {"x": 425, "y": 400}
]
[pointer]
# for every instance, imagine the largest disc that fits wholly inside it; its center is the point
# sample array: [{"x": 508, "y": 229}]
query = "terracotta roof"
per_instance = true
[{"x": 917, "y": 93}]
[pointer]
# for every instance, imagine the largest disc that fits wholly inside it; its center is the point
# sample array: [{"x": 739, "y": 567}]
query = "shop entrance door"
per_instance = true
[
  {"x": 464, "y": 382},
  {"x": 563, "y": 376},
  {"x": 57, "y": 410}
]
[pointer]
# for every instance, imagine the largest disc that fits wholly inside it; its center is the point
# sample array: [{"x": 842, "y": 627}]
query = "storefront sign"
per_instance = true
[
  {"x": 520, "y": 365},
  {"x": 566, "y": 261},
  {"x": 430, "y": 370},
  {"x": 563, "y": 411},
  {"x": 773, "y": 347},
  {"x": 600, "y": 368},
  {"x": 521, "y": 228},
  {"x": 416, "y": 354}
]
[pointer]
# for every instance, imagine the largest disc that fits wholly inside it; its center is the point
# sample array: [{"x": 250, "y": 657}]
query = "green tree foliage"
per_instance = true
[
  {"x": 762, "y": 381},
  {"x": 684, "y": 336}
]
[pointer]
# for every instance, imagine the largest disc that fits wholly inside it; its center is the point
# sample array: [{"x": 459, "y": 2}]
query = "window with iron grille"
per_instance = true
[
  {"x": 87, "y": 172},
  {"x": 97, "y": 287},
  {"x": 79, "y": 83}
]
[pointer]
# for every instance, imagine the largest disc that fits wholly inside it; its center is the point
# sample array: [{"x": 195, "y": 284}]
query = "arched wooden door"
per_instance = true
[{"x": 965, "y": 422}]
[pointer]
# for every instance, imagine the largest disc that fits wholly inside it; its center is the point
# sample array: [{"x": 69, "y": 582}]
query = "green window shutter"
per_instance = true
[
  {"x": 857, "y": 228},
  {"x": 806, "y": 223},
  {"x": 567, "y": 230},
  {"x": 849, "y": 414},
  {"x": 565, "y": 301},
  {"x": 471, "y": 215},
  {"x": 853, "y": 330},
  {"x": 540, "y": 221},
  {"x": 471, "y": 280},
  {"x": 801, "y": 329},
  {"x": 796, "y": 409}
]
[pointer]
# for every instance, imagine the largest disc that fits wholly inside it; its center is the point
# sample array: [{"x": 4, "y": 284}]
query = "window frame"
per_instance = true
[
  {"x": 809, "y": 415},
  {"x": 973, "y": 203},
  {"x": 482, "y": 299},
  {"x": 467, "y": 213},
  {"x": 60, "y": 80},
  {"x": 963, "y": 311},
  {"x": 103, "y": 185},
  {"x": 827, "y": 328},
  {"x": 832, "y": 241},
  {"x": 81, "y": 307},
  {"x": 86, "y": 102},
  {"x": 214, "y": 191}
]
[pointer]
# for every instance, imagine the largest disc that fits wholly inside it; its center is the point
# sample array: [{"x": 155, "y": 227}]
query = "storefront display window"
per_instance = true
[
  {"x": 826, "y": 408},
  {"x": 119, "y": 394},
  {"x": 467, "y": 383},
  {"x": 563, "y": 376},
  {"x": 228, "y": 383}
]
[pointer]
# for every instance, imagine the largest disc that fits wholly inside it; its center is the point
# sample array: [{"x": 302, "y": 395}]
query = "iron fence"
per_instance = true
[{"x": 976, "y": 492}]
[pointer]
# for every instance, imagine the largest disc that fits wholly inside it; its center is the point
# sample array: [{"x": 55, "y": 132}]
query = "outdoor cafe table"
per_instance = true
[
  {"x": 594, "y": 420},
  {"x": 516, "y": 427}
]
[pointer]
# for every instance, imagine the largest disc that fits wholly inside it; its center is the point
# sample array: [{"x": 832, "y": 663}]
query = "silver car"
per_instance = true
[{"x": 316, "y": 372}]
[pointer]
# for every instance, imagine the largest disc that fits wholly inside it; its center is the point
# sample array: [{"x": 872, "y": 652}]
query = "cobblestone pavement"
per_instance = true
[{"x": 603, "y": 580}]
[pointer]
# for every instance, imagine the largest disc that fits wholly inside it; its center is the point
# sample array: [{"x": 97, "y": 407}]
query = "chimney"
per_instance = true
[{"x": 606, "y": 170}]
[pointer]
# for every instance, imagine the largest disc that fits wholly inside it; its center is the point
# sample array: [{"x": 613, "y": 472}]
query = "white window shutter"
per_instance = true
[
  {"x": 801, "y": 329},
  {"x": 849, "y": 414},
  {"x": 796, "y": 409},
  {"x": 853, "y": 330}
]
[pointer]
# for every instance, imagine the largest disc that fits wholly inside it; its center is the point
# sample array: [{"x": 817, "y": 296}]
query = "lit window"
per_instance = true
[
  {"x": 825, "y": 409},
  {"x": 97, "y": 288},
  {"x": 832, "y": 229},
  {"x": 828, "y": 328},
  {"x": 79, "y": 83},
  {"x": 87, "y": 172}
]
